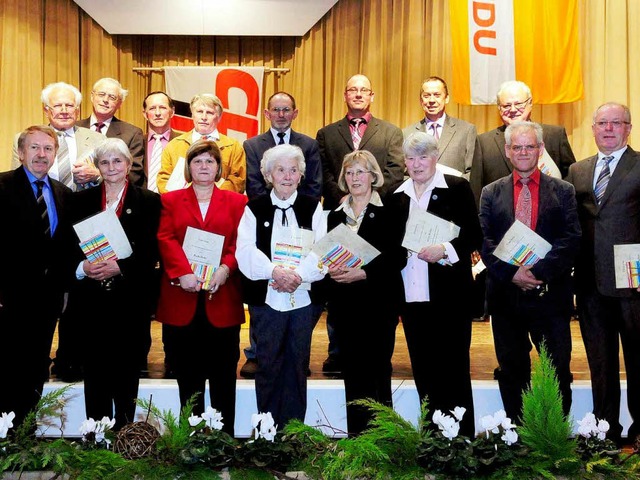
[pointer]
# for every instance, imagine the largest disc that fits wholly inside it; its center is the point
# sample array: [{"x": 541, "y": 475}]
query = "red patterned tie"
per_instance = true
[{"x": 523, "y": 206}]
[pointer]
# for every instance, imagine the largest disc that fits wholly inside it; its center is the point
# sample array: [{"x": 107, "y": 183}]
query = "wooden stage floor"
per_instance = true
[{"x": 483, "y": 359}]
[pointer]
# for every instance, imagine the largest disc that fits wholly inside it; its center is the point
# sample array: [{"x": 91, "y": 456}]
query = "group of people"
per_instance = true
[{"x": 269, "y": 201}]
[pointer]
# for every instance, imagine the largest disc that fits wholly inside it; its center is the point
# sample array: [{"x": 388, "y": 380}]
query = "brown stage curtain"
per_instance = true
[{"x": 395, "y": 42}]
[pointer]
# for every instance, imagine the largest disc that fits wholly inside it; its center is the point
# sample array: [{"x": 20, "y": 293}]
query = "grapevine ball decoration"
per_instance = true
[{"x": 136, "y": 440}]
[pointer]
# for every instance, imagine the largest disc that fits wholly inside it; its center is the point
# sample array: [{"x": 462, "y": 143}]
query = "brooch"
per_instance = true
[
  {"x": 266, "y": 224},
  {"x": 434, "y": 197}
]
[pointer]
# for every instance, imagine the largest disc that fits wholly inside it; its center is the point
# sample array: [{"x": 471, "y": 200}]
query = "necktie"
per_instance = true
[
  {"x": 281, "y": 137},
  {"x": 154, "y": 163},
  {"x": 285, "y": 221},
  {"x": 433, "y": 129},
  {"x": 603, "y": 180},
  {"x": 64, "y": 164},
  {"x": 523, "y": 206},
  {"x": 42, "y": 209},
  {"x": 98, "y": 126},
  {"x": 355, "y": 135}
]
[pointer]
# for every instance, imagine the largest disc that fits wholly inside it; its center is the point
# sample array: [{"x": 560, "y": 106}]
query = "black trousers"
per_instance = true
[
  {"x": 204, "y": 352},
  {"x": 439, "y": 338},
  {"x": 605, "y": 323}
]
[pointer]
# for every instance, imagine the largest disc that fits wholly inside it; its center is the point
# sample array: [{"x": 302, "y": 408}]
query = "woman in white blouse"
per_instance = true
[{"x": 275, "y": 231}]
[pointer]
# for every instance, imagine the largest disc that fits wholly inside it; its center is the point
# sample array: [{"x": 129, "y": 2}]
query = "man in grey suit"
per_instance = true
[
  {"x": 456, "y": 138},
  {"x": 61, "y": 102},
  {"x": 358, "y": 130},
  {"x": 107, "y": 96},
  {"x": 281, "y": 111},
  {"x": 608, "y": 195},
  {"x": 489, "y": 159},
  {"x": 530, "y": 302}
]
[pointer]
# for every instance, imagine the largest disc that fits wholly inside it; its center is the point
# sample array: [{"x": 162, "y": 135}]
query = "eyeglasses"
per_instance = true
[
  {"x": 614, "y": 123},
  {"x": 278, "y": 110},
  {"x": 356, "y": 173},
  {"x": 524, "y": 148},
  {"x": 359, "y": 91},
  {"x": 110, "y": 96},
  {"x": 519, "y": 106}
]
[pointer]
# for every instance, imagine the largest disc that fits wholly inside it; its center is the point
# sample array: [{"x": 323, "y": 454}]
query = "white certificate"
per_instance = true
[
  {"x": 203, "y": 247},
  {"x": 521, "y": 246},
  {"x": 291, "y": 245},
  {"x": 342, "y": 246},
  {"x": 425, "y": 229},
  {"x": 626, "y": 260},
  {"x": 104, "y": 225}
]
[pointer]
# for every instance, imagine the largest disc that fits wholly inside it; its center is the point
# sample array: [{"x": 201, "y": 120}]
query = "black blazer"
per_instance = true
[
  {"x": 557, "y": 223},
  {"x": 255, "y": 147},
  {"x": 455, "y": 204},
  {"x": 139, "y": 219},
  {"x": 35, "y": 270},
  {"x": 134, "y": 138},
  {"x": 381, "y": 138},
  {"x": 490, "y": 161}
]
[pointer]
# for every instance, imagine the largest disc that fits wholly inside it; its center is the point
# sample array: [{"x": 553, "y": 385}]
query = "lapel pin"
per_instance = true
[{"x": 266, "y": 224}]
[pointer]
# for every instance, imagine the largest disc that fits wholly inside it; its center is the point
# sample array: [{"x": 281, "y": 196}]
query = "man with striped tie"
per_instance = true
[
  {"x": 73, "y": 164},
  {"x": 35, "y": 268},
  {"x": 608, "y": 194}
]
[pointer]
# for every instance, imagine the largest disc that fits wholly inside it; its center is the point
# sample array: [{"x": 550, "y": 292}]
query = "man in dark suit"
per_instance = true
[
  {"x": 381, "y": 138},
  {"x": 358, "y": 130},
  {"x": 281, "y": 111},
  {"x": 158, "y": 109},
  {"x": 608, "y": 196},
  {"x": 106, "y": 96},
  {"x": 489, "y": 159},
  {"x": 35, "y": 269},
  {"x": 530, "y": 303},
  {"x": 456, "y": 138}
]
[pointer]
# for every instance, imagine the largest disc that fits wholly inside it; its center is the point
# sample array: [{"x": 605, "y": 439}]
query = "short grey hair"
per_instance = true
[
  {"x": 209, "y": 99},
  {"x": 366, "y": 157},
  {"x": 420, "y": 143},
  {"x": 122, "y": 93},
  {"x": 280, "y": 152},
  {"x": 112, "y": 146},
  {"x": 627, "y": 112},
  {"x": 49, "y": 89},
  {"x": 512, "y": 84},
  {"x": 520, "y": 126}
]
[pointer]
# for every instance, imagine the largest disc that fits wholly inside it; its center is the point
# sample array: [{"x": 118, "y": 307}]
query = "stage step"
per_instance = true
[{"x": 326, "y": 403}]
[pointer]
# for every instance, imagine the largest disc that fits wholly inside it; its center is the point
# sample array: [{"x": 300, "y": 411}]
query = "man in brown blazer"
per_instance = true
[{"x": 608, "y": 195}]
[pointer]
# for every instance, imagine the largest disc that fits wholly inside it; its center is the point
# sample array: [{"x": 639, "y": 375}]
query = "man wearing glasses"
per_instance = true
[
  {"x": 107, "y": 96},
  {"x": 490, "y": 161},
  {"x": 530, "y": 302},
  {"x": 608, "y": 195},
  {"x": 280, "y": 112}
]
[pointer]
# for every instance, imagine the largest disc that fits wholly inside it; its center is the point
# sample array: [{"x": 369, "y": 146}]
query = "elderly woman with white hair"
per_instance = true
[
  {"x": 363, "y": 302},
  {"x": 275, "y": 227},
  {"x": 111, "y": 302},
  {"x": 436, "y": 319}
]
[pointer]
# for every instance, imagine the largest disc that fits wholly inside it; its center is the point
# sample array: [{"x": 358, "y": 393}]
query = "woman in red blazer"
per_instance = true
[{"x": 203, "y": 326}]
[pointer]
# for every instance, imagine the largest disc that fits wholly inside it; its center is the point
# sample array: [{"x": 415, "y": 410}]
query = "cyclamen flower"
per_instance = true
[
  {"x": 264, "y": 426},
  {"x": 6, "y": 422},
  {"x": 447, "y": 424},
  {"x": 213, "y": 418},
  {"x": 195, "y": 420},
  {"x": 509, "y": 437},
  {"x": 98, "y": 429},
  {"x": 590, "y": 426},
  {"x": 459, "y": 412}
]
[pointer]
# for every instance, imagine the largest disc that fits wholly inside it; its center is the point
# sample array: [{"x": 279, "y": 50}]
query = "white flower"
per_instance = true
[
  {"x": 264, "y": 426},
  {"x": 490, "y": 424},
  {"x": 6, "y": 422},
  {"x": 509, "y": 437},
  {"x": 590, "y": 426},
  {"x": 88, "y": 426},
  {"x": 194, "y": 420},
  {"x": 97, "y": 428},
  {"x": 447, "y": 424},
  {"x": 458, "y": 412},
  {"x": 213, "y": 418}
]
